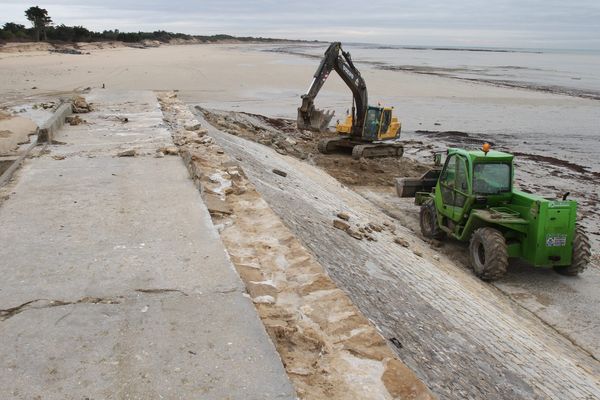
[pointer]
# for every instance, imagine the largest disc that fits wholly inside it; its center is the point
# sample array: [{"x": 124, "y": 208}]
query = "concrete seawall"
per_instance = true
[{"x": 45, "y": 134}]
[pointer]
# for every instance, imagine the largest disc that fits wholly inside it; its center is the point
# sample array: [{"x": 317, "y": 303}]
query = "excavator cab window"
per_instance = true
[
  {"x": 386, "y": 119},
  {"x": 372, "y": 123}
]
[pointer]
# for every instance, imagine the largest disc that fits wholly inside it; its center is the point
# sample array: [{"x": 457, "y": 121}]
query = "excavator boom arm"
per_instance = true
[{"x": 341, "y": 62}]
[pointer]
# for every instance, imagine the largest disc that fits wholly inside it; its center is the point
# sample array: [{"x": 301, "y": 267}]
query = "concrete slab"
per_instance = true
[{"x": 115, "y": 282}]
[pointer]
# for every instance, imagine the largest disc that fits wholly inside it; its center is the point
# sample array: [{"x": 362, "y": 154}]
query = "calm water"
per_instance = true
[{"x": 573, "y": 72}]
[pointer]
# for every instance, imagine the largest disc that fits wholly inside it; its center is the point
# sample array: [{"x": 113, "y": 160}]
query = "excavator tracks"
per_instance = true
[
  {"x": 360, "y": 149},
  {"x": 375, "y": 150}
]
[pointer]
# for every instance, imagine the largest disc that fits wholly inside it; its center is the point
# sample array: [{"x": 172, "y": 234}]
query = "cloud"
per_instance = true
[{"x": 508, "y": 23}]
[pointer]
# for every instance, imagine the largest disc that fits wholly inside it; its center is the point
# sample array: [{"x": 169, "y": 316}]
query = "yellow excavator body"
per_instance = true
[{"x": 384, "y": 131}]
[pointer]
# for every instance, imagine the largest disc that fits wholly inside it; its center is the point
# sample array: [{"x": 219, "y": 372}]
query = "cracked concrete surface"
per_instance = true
[{"x": 115, "y": 282}]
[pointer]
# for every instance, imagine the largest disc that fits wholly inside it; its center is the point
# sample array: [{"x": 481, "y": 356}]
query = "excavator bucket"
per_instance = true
[{"x": 314, "y": 120}]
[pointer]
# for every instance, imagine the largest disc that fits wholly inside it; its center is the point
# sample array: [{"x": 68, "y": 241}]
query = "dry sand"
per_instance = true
[{"x": 14, "y": 130}]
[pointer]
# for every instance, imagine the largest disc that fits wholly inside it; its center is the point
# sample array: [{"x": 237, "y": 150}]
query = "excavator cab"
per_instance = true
[{"x": 380, "y": 124}]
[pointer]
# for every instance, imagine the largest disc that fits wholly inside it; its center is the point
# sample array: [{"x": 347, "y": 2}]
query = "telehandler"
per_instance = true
[
  {"x": 472, "y": 198},
  {"x": 369, "y": 131}
]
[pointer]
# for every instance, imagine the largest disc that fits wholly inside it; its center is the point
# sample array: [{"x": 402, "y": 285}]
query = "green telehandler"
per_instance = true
[{"x": 472, "y": 198}]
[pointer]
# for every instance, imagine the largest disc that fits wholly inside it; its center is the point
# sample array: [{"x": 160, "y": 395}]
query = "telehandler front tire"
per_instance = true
[
  {"x": 428, "y": 221},
  {"x": 488, "y": 254},
  {"x": 581, "y": 255}
]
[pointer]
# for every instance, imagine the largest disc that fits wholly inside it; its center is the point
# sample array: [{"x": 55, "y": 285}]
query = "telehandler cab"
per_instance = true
[{"x": 472, "y": 198}]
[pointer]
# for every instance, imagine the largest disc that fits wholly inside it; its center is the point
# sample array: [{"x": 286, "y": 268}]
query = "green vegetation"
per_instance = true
[
  {"x": 42, "y": 28},
  {"x": 40, "y": 20}
]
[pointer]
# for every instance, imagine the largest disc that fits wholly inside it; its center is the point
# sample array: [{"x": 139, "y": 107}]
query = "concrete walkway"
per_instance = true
[{"x": 115, "y": 284}]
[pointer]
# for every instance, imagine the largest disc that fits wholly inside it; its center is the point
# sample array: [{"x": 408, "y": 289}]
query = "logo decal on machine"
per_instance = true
[{"x": 556, "y": 240}]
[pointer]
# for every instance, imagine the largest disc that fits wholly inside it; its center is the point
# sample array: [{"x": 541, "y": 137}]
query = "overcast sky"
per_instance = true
[{"x": 565, "y": 24}]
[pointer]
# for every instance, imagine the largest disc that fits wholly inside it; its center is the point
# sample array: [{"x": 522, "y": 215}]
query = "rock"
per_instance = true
[
  {"x": 264, "y": 300},
  {"x": 370, "y": 238},
  {"x": 279, "y": 172},
  {"x": 237, "y": 188},
  {"x": 355, "y": 234},
  {"x": 206, "y": 140},
  {"x": 215, "y": 204},
  {"x": 339, "y": 224},
  {"x": 436, "y": 257},
  {"x": 291, "y": 141},
  {"x": 59, "y": 157},
  {"x": 74, "y": 120},
  {"x": 195, "y": 127},
  {"x": 127, "y": 153},
  {"x": 375, "y": 227},
  {"x": 116, "y": 118},
  {"x": 401, "y": 242},
  {"x": 169, "y": 150},
  {"x": 219, "y": 151},
  {"x": 80, "y": 106},
  {"x": 436, "y": 243},
  {"x": 417, "y": 253},
  {"x": 265, "y": 288},
  {"x": 343, "y": 215},
  {"x": 159, "y": 154}
]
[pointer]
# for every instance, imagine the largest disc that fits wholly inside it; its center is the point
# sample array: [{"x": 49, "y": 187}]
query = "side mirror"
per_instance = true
[{"x": 437, "y": 159}]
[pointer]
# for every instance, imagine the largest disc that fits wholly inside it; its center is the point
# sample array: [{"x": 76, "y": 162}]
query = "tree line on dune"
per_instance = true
[{"x": 42, "y": 28}]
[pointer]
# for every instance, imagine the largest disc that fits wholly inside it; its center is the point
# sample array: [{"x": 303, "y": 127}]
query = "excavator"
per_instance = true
[{"x": 369, "y": 131}]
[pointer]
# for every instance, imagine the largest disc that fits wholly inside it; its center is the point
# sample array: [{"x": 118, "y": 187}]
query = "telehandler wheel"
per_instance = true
[
  {"x": 488, "y": 254},
  {"x": 581, "y": 255},
  {"x": 428, "y": 221}
]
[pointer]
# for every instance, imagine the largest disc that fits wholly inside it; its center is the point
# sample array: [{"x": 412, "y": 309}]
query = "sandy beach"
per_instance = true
[
  {"x": 555, "y": 132},
  {"x": 371, "y": 307}
]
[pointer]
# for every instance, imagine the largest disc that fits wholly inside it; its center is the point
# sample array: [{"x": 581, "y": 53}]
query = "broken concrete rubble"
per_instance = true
[
  {"x": 169, "y": 150},
  {"x": 127, "y": 153},
  {"x": 80, "y": 106},
  {"x": 343, "y": 215},
  {"x": 74, "y": 120},
  {"x": 339, "y": 224},
  {"x": 401, "y": 242}
]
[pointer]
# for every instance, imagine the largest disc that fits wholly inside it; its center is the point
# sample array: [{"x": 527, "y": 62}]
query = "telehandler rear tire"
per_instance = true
[
  {"x": 581, "y": 255},
  {"x": 428, "y": 221},
  {"x": 488, "y": 254}
]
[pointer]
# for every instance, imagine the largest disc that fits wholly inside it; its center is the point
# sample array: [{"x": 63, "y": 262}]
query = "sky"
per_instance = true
[{"x": 560, "y": 24}]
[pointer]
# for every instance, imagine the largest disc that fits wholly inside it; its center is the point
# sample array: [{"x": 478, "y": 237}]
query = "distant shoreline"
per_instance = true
[
  {"x": 50, "y": 45},
  {"x": 589, "y": 94}
]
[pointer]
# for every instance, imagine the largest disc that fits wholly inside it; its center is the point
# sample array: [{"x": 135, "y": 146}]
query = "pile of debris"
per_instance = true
[
  {"x": 285, "y": 138},
  {"x": 80, "y": 106},
  {"x": 365, "y": 231}
]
